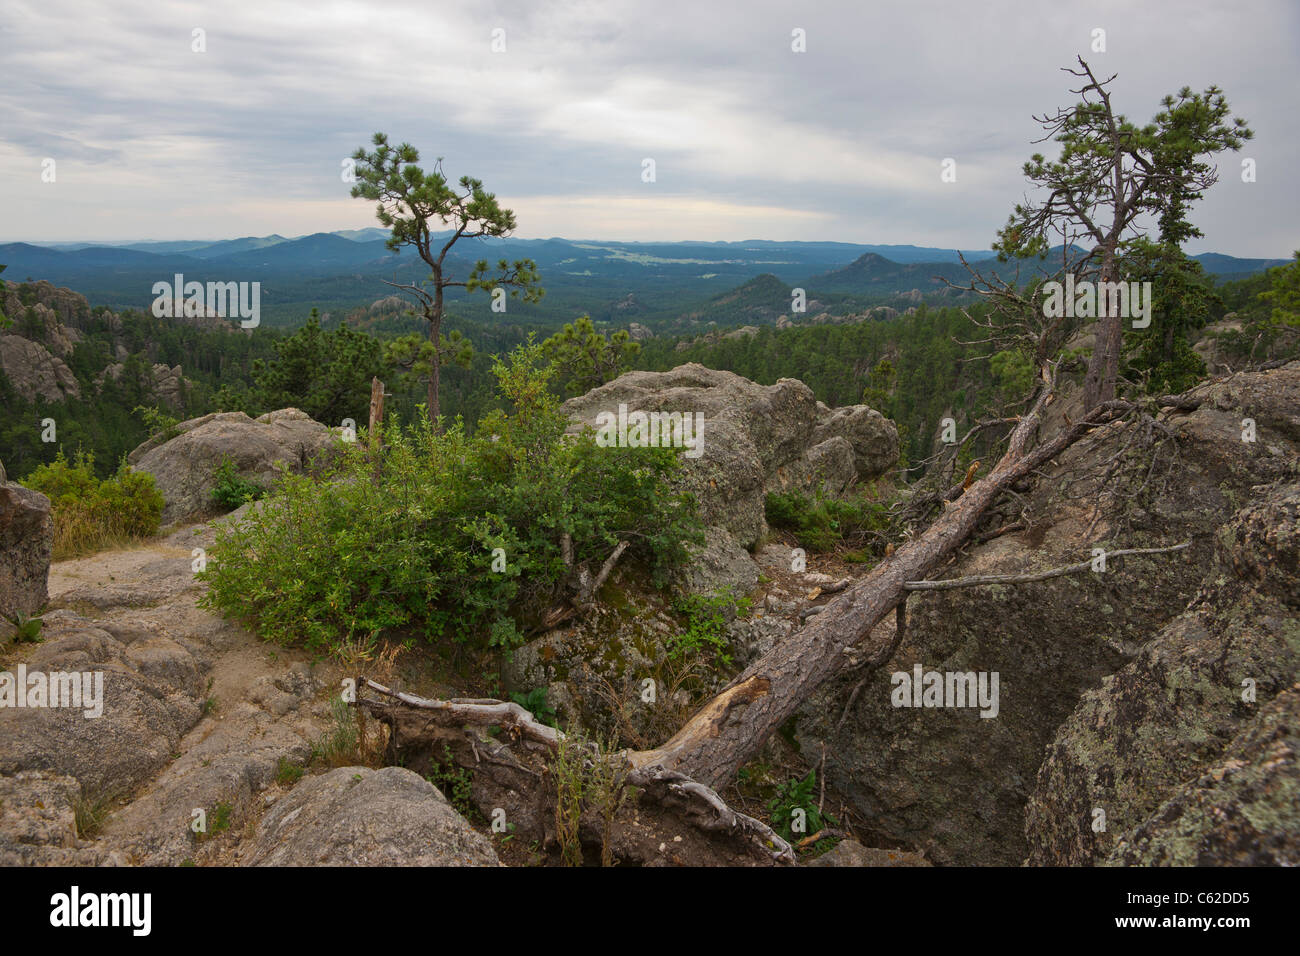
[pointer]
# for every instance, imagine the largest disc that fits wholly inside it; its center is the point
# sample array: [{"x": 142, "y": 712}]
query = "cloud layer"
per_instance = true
[{"x": 750, "y": 140}]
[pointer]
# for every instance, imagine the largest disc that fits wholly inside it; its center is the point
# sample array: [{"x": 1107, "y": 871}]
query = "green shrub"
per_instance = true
[
  {"x": 90, "y": 514},
  {"x": 794, "y": 809},
  {"x": 705, "y": 635},
  {"x": 823, "y": 524},
  {"x": 160, "y": 424},
  {"x": 535, "y": 703},
  {"x": 230, "y": 489},
  {"x": 27, "y": 630},
  {"x": 330, "y": 562}
]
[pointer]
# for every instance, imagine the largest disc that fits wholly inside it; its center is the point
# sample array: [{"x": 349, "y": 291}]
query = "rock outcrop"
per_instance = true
[
  {"x": 34, "y": 372},
  {"x": 167, "y": 385},
  {"x": 956, "y": 784},
  {"x": 355, "y": 816},
  {"x": 151, "y": 695},
  {"x": 755, "y": 439},
  {"x": 1192, "y": 734},
  {"x": 26, "y": 540},
  {"x": 183, "y": 466}
]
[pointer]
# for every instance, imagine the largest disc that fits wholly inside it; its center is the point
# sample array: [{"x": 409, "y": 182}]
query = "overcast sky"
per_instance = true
[{"x": 750, "y": 139}]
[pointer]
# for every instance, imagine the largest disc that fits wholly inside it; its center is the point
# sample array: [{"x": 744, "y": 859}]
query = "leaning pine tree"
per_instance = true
[
  {"x": 412, "y": 203},
  {"x": 1111, "y": 178}
]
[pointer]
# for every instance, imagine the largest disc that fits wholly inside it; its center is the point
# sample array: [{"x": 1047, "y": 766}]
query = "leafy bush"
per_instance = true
[
  {"x": 90, "y": 514},
  {"x": 535, "y": 703},
  {"x": 414, "y": 550},
  {"x": 822, "y": 524},
  {"x": 27, "y": 630},
  {"x": 794, "y": 809},
  {"x": 705, "y": 635},
  {"x": 160, "y": 424},
  {"x": 230, "y": 489}
]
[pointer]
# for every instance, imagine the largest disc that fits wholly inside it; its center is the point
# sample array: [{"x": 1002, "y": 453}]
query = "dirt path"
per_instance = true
[{"x": 240, "y": 716}]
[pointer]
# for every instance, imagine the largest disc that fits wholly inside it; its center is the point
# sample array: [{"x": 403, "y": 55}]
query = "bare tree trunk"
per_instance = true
[
  {"x": 1103, "y": 365},
  {"x": 435, "y": 335},
  {"x": 376, "y": 420}
]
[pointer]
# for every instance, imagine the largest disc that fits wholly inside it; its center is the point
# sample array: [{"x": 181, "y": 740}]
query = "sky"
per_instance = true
[{"x": 845, "y": 140}]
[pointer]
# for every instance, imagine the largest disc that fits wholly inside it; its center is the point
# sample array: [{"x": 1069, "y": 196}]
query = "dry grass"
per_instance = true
[{"x": 80, "y": 531}]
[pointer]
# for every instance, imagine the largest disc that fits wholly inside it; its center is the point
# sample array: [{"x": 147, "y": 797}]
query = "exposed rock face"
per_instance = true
[
  {"x": 151, "y": 691},
  {"x": 946, "y": 779},
  {"x": 38, "y": 822},
  {"x": 1242, "y": 811},
  {"x": 755, "y": 439},
  {"x": 1171, "y": 748},
  {"x": 35, "y": 372},
  {"x": 168, "y": 385},
  {"x": 355, "y": 816},
  {"x": 63, "y": 307},
  {"x": 183, "y": 466},
  {"x": 26, "y": 540},
  {"x": 34, "y": 361},
  {"x": 872, "y": 437}
]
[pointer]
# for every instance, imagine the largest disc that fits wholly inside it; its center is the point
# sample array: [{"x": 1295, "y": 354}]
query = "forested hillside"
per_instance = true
[{"x": 912, "y": 365}]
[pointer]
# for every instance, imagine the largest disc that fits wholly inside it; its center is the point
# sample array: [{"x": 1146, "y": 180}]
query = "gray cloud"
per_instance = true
[{"x": 750, "y": 139}]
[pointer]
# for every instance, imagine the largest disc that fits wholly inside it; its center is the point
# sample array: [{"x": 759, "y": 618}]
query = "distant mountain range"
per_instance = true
[{"x": 611, "y": 281}]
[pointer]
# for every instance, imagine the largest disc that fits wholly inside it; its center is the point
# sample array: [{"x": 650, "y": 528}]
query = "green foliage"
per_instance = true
[
  {"x": 91, "y": 514},
  {"x": 536, "y": 704},
  {"x": 414, "y": 355},
  {"x": 705, "y": 635},
  {"x": 325, "y": 374},
  {"x": 338, "y": 746},
  {"x": 822, "y": 524},
  {"x": 161, "y": 425},
  {"x": 589, "y": 776},
  {"x": 287, "y": 773},
  {"x": 1267, "y": 306},
  {"x": 89, "y": 813},
  {"x": 1283, "y": 293},
  {"x": 794, "y": 809},
  {"x": 1013, "y": 373},
  {"x": 219, "y": 818},
  {"x": 230, "y": 489},
  {"x": 585, "y": 359},
  {"x": 413, "y": 202},
  {"x": 455, "y": 783},
  {"x": 27, "y": 629},
  {"x": 880, "y": 385},
  {"x": 1163, "y": 167},
  {"x": 330, "y": 562}
]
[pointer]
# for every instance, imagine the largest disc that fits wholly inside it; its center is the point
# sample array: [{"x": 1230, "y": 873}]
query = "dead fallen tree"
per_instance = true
[{"x": 677, "y": 815}]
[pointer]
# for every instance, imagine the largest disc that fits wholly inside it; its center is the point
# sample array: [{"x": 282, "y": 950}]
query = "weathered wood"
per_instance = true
[
  {"x": 982, "y": 579},
  {"x": 376, "y": 421}
]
